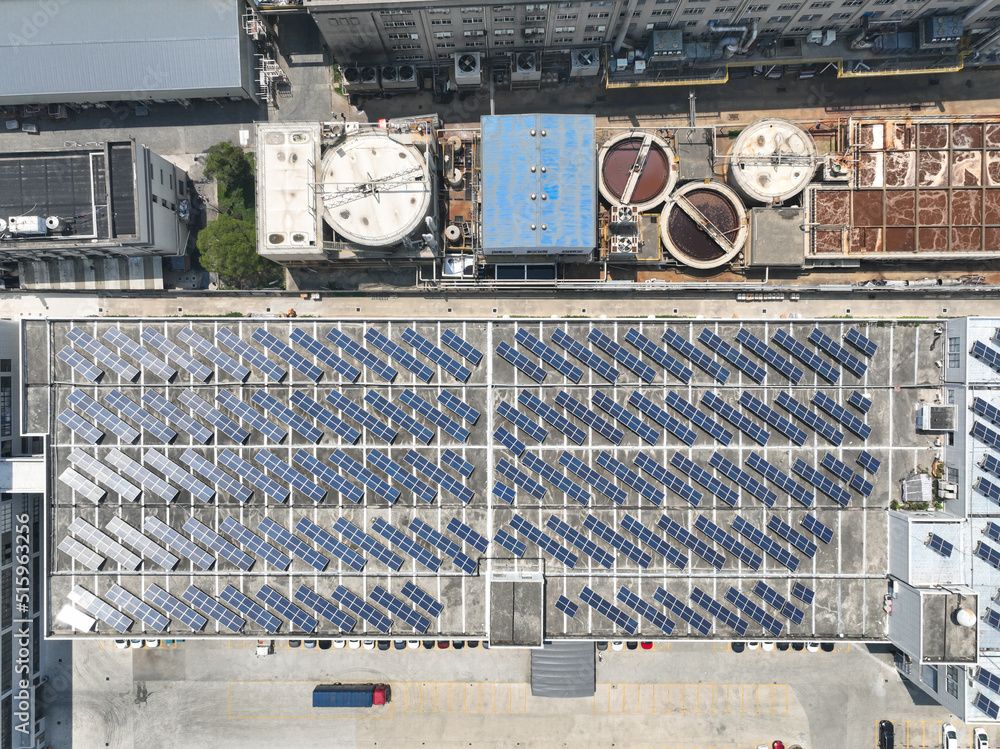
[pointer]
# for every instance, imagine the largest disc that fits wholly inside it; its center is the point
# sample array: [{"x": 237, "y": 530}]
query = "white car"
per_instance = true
[
  {"x": 136, "y": 643},
  {"x": 354, "y": 644},
  {"x": 617, "y": 645},
  {"x": 753, "y": 646},
  {"x": 767, "y": 646},
  {"x": 340, "y": 644},
  {"x": 368, "y": 644},
  {"x": 812, "y": 647},
  {"x": 121, "y": 644},
  {"x": 152, "y": 643},
  {"x": 413, "y": 644},
  {"x": 309, "y": 643},
  {"x": 979, "y": 740},
  {"x": 949, "y": 737}
]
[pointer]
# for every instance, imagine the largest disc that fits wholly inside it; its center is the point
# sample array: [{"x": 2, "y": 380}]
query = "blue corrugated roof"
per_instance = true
[{"x": 568, "y": 211}]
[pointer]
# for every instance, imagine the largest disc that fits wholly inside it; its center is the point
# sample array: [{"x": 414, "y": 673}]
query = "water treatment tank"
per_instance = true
[
  {"x": 704, "y": 225},
  {"x": 637, "y": 168},
  {"x": 772, "y": 160}
]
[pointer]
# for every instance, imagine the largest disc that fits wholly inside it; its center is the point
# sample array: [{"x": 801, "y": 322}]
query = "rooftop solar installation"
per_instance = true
[
  {"x": 103, "y": 416},
  {"x": 533, "y": 463},
  {"x": 607, "y": 609},
  {"x": 433, "y": 415},
  {"x": 791, "y": 535},
  {"x": 584, "y": 354},
  {"x": 184, "y": 614},
  {"x": 100, "y": 609},
  {"x": 821, "y": 482},
  {"x": 255, "y": 544},
  {"x": 691, "y": 541},
  {"x": 985, "y": 409},
  {"x": 169, "y": 536},
  {"x": 240, "y": 467},
  {"x": 356, "y": 605},
  {"x": 547, "y": 355},
  {"x": 860, "y": 402},
  {"x": 621, "y": 354},
  {"x": 986, "y": 354},
  {"x": 399, "y": 539},
  {"x": 665, "y": 477},
  {"x": 357, "y": 471},
  {"x": 769, "y": 355},
  {"x": 580, "y": 541},
  {"x": 808, "y": 357},
  {"x": 461, "y": 347},
  {"x": 838, "y": 352},
  {"x": 552, "y": 416},
  {"x": 511, "y": 544},
  {"x": 755, "y": 612},
  {"x": 328, "y": 476},
  {"x": 102, "y": 354},
  {"x": 299, "y": 618},
  {"x": 781, "y": 479},
  {"x": 592, "y": 477},
  {"x": 771, "y": 597},
  {"x": 353, "y": 411},
  {"x": 520, "y": 478},
  {"x": 728, "y": 542},
  {"x": 772, "y": 417},
  {"x": 604, "y": 531},
  {"x": 279, "y": 534},
  {"x": 153, "y": 619},
  {"x": 768, "y": 544},
  {"x": 131, "y": 410},
  {"x": 208, "y": 605},
  {"x": 698, "y": 357},
  {"x": 213, "y": 473},
  {"x": 450, "y": 484},
  {"x": 804, "y": 594},
  {"x": 987, "y": 706},
  {"x": 249, "y": 354},
  {"x": 82, "y": 554},
  {"x": 938, "y": 544},
  {"x": 357, "y": 351},
  {"x": 103, "y": 544},
  {"x": 522, "y": 422},
  {"x": 81, "y": 427},
  {"x": 146, "y": 478},
  {"x": 461, "y": 409},
  {"x": 245, "y": 606},
  {"x": 438, "y": 540},
  {"x": 285, "y": 472},
  {"x": 365, "y": 542},
  {"x": 396, "y": 472},
  {"x": 288, "y": 354},
  {"x": 630, "y": 477},
  {"x": 837, "y": 468},
  {"x": 662, "y": 418},
  {"x": 647, "y": 611},
  {"x": 177, "y": 417},
  {"x": 660, "y": 355},
  {"x": 567, "y": 606},
  {"x": 626, "y": 417},
  {"x": 698, "y": 623},
  {"x": 436, "y": 355},
  {"x": 421, "y": 598},
  {"x": 396, "y": 607},
  {"x": 842, "y": 415},
  {"x": 522, "y": 362},
  {"x": 467, "y": 534},
  {"x": 453, "y": 460},
  {"x": 588, "y": 417},
  {"x": 706, "y": 479},
  {"x": 215, "y": 355},
  {"x": 508, "y": 440},
  {"x": 744, "y": 479},
  {"x": 720, "y": 612},
  {"x": 313, "y": 600},
  {"x": 176, "y": 354},
  {"x": 177, "y": 475},
  {"x": 288, "y": 416},
  {"x": 543, "y": 541},
  {"x": 734, "y": 417},
  {"x": 988, "y": 679},
  {"x": 313, "y": 409},
  {"x": 688, "y": 411},
  {"x": 399, "y": 417},
  {"x": 726, "y": 350},
  {"x": 207, "y": 537},
  {"x": 819, "y": 530},
  {"x": 397, "y": 353},
  {"x": 81, "y": 366},
  {"x": 810, "y": 419},
  {"x": 325, "y": 355},
  {"x": 859, "y": 341},
  {"x": 653, "y": 541},
  {"x": 91, "y": 466},
  {"x": 130, "y": 348},
  {"x": 82, "y": 485}
]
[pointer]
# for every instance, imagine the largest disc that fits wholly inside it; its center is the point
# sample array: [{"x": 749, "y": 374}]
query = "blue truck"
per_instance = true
[{"x": 351, "y": 695}]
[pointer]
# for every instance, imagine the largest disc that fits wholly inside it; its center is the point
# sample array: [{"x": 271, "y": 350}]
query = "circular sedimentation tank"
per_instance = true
[
  {"x": 704, "y": 225},
  {"x": 772, "y": 161},
  {"x": 637, "y": 168},
  {"x": 375, "y": 191}
]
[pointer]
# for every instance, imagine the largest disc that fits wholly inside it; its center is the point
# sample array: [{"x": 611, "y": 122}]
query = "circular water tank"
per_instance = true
[
  {"x": 636, "y": 168},
  {"x": 704, "y": 225},
  {"x": 452, "y": 233},
  {"x": 772, "y": 160},
  {"x": 965, "y": 618},
  {"x": 375, "y": 191},
  {"x": 54, "y": 223}
]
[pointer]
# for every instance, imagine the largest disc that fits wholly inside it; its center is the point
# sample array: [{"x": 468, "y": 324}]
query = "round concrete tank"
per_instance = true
[
  {"x": 636, "y": 168},
  {"x": 375, "y": 191},
  {"x": 772, "y": 160},
  {"x": 704, "y": 225}
]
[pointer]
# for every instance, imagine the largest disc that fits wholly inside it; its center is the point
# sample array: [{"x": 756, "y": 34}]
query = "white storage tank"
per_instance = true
[{"x": 772, "y": 161}]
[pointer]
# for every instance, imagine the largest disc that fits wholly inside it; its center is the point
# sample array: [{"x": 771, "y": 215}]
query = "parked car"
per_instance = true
[
  {"x": 295, "y": 643},
  {"x": 354, "y": 644},
  {"x": 368, "y": 644},
  {"x": 767, "y": 646},
  {"x": 632, "y": 645},
  {"x": 737, "y": 647},
  {"x": 384, "y": 645},
  {"x": 886, "y": 734},
  {"x": 798, "y": 646},
  {"x": 309, "y": 643},
  {"x": 617, "y": 645},
  {"x": 458, "y": 644},
  {"x": 647, "y": 645},
  {"x": 428, "y": 644},
  {"x": 121, "y": 644},
  {"x": 473, "y": 643},
  {"x": 753, "y": 646},
  {"x": 602, "y": 645},
  {"x": 979, "y": 740},
  {"x": 325, "y": 644},
  {"x": 340, "y": 644},
  {"x": 413, "y": 644},
  {"x": 949, "y": 737},
  {"x": 443, "y": 644},
  {"x": 783, "y": 646},
  {"x": 812, "y": 647},
  {"x": 152, "y": 643},
  {"x": 136, "y": 643},
  {"x": 399, "y": 644},
  {"x": 826, "y": 647}
]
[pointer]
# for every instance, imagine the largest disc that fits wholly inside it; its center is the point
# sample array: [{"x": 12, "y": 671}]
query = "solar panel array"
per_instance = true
[
  {"x": 698, "y": 623},
  {"x": 660, "y": 355},
  {"x": 363, "y": 355},
  {"x": 520, "y": 361},
  {"x": 938, "y": 544},
  {"x": 592, "y": 477},
  {"x": 580, "y": 541},
  {"x": 734, "y": 417},
  {"x": 728, "y": 542},
  {"x": 288, "y": 354},
  {"x": 769, "y": 355},
  {"x": 607, "y": 609},
  {"x": 244, "y": 350},
  {"x": 662, "y": 418},
  {"x": 215, "y": 355},
  {"x": 436, "y": 355},
  {"x": 863, "y": 344},
  {"x": 621, "y": 354},
  {"x": 690, "y": 540},
  {"x": 744, "y": 479},
  {"x": 821, "y": 482},
  {"x": 533, "y": 463},
  {"x": 810, "y": 419},
  {"x": 588, "y": 417},
  {"x": 720, "y": 612},
  {"x": 687, "y": 349},
  {"x": 706, "y": 479},
  {"x": 102, "y": 354},
  {"x": 647, "y": 611},
  {"x": 838, "y": 352},
  {"x": 552, "y": 416},
  {"x": 842, "y": 415},
  {"x": 731, "y": 353},
  {"x": 630, "y": 477},
  {"x": 325, "y": 355},
  {"x": 130, "y": 348},
  {"x": 543, "y": 541},
  {"x": 688, "y": 411},
  {"x": 398, "y": 416},
  {"x": 768, "y": 544},
  {"x": 772, "y": 417},
  {"x": 755, "y": 612},
  {"x": 860, "y": 402},
  {"x": 397, "y": 353},
  {"x": 665, "y": 477},
  {"x": 433, "y": 415},
  {"x": 626, "y": 417},
  {"x": 808, "y": 357},
  {"x": 548, "y": 355},
  {"x": 584, "y": 354}
]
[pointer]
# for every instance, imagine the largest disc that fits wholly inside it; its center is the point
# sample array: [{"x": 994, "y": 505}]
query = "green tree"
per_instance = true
[
  {"x": 233, "y": 171},
  {"x": 228, "y": 246}
]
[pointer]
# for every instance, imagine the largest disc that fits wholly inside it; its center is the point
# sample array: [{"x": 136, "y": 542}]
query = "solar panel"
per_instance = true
[
  {"x": 821, "y": 482},
  {"x": 311, "y": 599},
  {"x": 398, "y": 416},
  {"x": 208, "y": 605},
  {"x": 176, "y": 354},
  {"x": 606, "y": 609},
  {"x": 255, "y": 543},
  {"x": 223, "y": 361},
  {"x": 628, "y": 419},
  {"x": 791, "y": 535},
  {"x": 464, "y": 411},
  {"x": 838, "y": 352},
  {"x": 436, "y": 417},
  {"x": 859, "y": 484},
  {"x": 175, "y": 416},
  {"x": 552, "y": 416},
  {"x": 695, "y": 544},
  {"x": 654, "y": 542},
  {"x": 103, "y": 416},
  {"x": 247, "y": 352},
  {"x": 214, "y": 416},
  {"x": 593, "y": 478},
  {"x": 511, "y": 544},
  {"x": 130, "y": 348},
  {"x": 842, "y": 415},
  {"x": 453, "y": 460},
  {"x": 860, "y": 402},
  {"x": 778, "y": 601},
  {"x": 146, "y": 478},
  {"x": 354, "y": 411},
  {"x": 156, "y": 621},
  {"x": 82, "y": 485},
  {"x": 356, "y": 605},
  {"x": 630, "y": 477},
  {"x": 534, "y": 463},
  {"x": 720, "y": 612},
  {"x": 104, "y": 544},
  {"x": 699, "y": 623},
  {"x": 986, "y": 705},
  {"x": 754, "y": 611},
  {"x": 325, "y": 355},
  {"x": 102, "y": 354},
  {"x": 769, "y": 355},
  {"x": 580, "y": 541},
  {"x": 436, "y": 355},
  {"x": 288, "y": 416},
  {"x": 288, "y": 354},
  {"x": 938, "y": 544},
  {"x": 297, "y": 546},
  {"x": 361, "y": 539},
  {"x": 521, "y": 362},
  {"x": 504, "y": 492},
  {"x": 863, "y": 344},
  {"x": 769, "y": 545},
  {"x": 423, "y": 599},
  {"x": 522, "y": 422},
  {"x": 609, "y": 534},
  {"x": 665, "y": 477},
  {"x": 567, "y": 606},
  {"x": 734, "y": 417},
  {"x": 588, "y": 417},
  {"x": 178, "y": 475},
  {"x": 543, "y": 541},
  {"x": 992, "y": 618},
  {"x": 328, "y": 475},
  {"x": 142, "y": 544},
  {"x": 205, "y": 535},
  {"x": 659, "y": 355},
  {"x": 302, "y": 621},
  {"x": 781, "y": 479},
  {"x": 355, "y": 470},
  {"x": 683, "y": 346},
  {"x": 103, "y": 475},
  {"x": 988, "y": 679},
  {"x": 285, "y": 472},
  {"x": 732, "y": 354},
  {"x": 727, "y": 542},
  {"x": 471, "y": 537},
  {"x": 986, "y": 435},
  {"x": 392, "y": 604},
  {"x": 450, "y": 484},
  {"x": 621, "y": 354},
  {"x": 396, "y": 537},
  {"x": 837, "y": 468},
  {"x": 806, "y": 356},
  {"x": 810, "y": 419},
  {"x": 520, "y": 478},
  {"x": 557, "y": 362},
  {"x": 99, "y": 608},
  {"x": 772, "y": 417},
  {"x": 363, "y": 355},
  {"x": 187, "y": 616},
  {"x": 460, "y": 346},
  {"x": 707, "y": 480},
  {"x": 131, "y": 410},
  {"x": 744, "y": 479},
  {"x": 82, "y": 554},
  {"x": 240, "y": 467},
  {"x": 648, "y": 612},
  {"x": 82, "y": 367},
  {"x": 174, "y": 540},
  {"x": 819, "y": 530},
  {"x": 584, "y": 354},
  {"x": 436, "y": 539},
  {"x": 87, "y": 431},
  {"x": 986, "y": 410},
  {"x": 316, "y": 411},
  {"x": 251, "y": 417},
  {"x": 657, "y": 414},
  {"x": 509, "y": 441},
  {"x": 222, "y": 480},
  {"x": 688, "y": 411},
  {"x": 396, "y": 472},
  {"x": 248, "y": 608},
  {"x": 988, "y": 489},
  {"x": 399, "y": 354}
]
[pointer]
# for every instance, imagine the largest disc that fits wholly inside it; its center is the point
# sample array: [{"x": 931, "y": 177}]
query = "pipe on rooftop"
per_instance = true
[{"x": 620, "y": 37}]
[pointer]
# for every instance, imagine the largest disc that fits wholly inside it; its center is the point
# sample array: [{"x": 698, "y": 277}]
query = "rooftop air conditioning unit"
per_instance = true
[
  {"x": 948, "y": 491},
  {"x": 584, "y": 62},
  {"x": 624, "y": 244},
  {"x": 369, "y": 74},
  {"x": 624, "y": 214},
  {"x": 388, "y": 74},
  {"x": 361, "y": 78},
  {"x": 468, "y": 70},
  {"x": 399, "y": 78},
  {"x": 526, "y": 68}
]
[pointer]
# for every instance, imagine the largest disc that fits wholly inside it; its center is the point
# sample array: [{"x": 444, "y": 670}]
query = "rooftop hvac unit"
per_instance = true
[
  {"x": 624, "y": 214},
  {"x": 468, "y": 69},
  {"x": 29, "y": 225},
  {"x": 369, "y": 74},
  {"x": 388, "y": 74},
  {"x": 399, "y": 77},
  {"x": 624, "y": 244},
  {"x": 584, "y": 62},
  {"x": 948, "y": 491},
  {"x": 526, "y": 68},
  {"x": 362, "y": 78}
]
